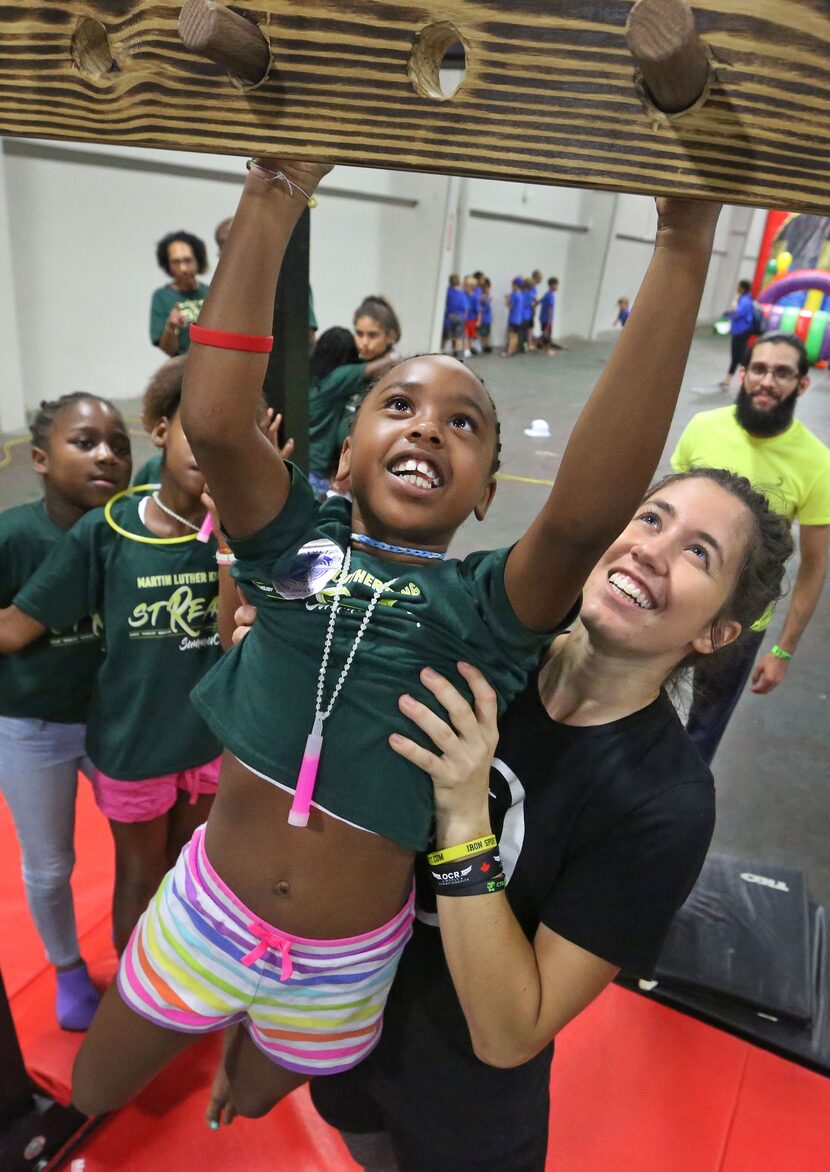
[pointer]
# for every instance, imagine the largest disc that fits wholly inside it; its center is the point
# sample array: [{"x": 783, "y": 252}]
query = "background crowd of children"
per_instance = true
[{"x": 468, "y": 316}]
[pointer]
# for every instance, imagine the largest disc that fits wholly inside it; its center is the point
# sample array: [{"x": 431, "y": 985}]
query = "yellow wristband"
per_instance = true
[{"x": 463, "y": 850}]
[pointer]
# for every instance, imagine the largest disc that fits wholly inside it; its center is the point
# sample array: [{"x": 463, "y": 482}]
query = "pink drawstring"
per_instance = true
[{"x": 269, "y": 940}]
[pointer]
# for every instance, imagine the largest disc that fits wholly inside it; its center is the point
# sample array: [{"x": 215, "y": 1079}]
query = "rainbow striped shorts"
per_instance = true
[{"x": 199, "y": 960}]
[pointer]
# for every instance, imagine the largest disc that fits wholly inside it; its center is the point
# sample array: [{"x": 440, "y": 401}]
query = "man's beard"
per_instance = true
[{"x": 766, "y": 423}]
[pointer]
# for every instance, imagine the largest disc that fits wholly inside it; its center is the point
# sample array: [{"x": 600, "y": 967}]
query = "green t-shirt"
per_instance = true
[
  {"x": 159, "y": 608},
  {"x": 53, "y": 678},
  {"x": 150, "y": 471},
  {"x": 348, "y": 413},
  {"x": 327, "y": 399},
  {"x": 260, "y": 699},
  {"x": 164, "y": 299},
  {"x": 792, "y": 470}
]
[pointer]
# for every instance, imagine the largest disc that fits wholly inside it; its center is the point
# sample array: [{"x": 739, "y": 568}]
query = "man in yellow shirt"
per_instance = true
[{"x": 760, "y": 438}]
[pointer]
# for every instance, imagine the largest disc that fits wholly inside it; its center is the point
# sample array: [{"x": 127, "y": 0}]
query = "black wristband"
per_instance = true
[
  {"x": 461, "y": 874},
  {"x": 486, "y": 888}
]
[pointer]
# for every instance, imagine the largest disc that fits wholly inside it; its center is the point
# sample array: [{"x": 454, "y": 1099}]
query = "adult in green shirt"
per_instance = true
[{"x": 176, "y": 306}]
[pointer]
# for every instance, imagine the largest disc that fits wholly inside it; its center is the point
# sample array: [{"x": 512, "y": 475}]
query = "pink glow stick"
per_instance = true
[
  {"x": 205, "y": 529},
  {"x": 298, "y": 814}
]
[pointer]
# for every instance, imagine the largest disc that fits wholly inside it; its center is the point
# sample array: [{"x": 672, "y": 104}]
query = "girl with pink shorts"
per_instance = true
[{"x": 138, "y": 564}]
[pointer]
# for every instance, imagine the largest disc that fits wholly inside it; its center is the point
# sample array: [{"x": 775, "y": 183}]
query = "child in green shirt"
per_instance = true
[
  {"x": 337, "y": 376},
  {"x": 296, "y": 932},
  {"x": 81, "y": 451},
  {"x": 139, "y": 564}
]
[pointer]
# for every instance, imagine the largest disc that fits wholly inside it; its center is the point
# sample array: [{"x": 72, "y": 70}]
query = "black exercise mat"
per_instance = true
[
  {"x": 809, "y": 1046},
  {"x": 743, "y": 935}
]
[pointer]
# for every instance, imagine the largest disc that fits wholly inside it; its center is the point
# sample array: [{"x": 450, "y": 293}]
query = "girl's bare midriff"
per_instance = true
[{"x": 324, "y": 881}]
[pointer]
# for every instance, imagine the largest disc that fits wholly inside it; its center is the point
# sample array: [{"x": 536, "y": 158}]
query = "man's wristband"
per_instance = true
[{"x": 780, "y": 653}]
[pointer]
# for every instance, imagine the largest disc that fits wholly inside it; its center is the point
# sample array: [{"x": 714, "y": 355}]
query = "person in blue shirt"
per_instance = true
[
  {"x": 536, "y": 278},
  {"x": 455, "y": 315},
  {"x": 529, "y": 295},
  {"x": 546, "y": 306},
  {"x": 515, "y": 302},
  {"x": 485, "y": 324},
  {"x": 742, "y": 317},
  {"x": 623, "y": 310},
  {"x": 473, "y": 292}
]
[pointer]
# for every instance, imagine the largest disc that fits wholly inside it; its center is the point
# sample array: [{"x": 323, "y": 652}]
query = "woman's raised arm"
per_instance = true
[{"x": 617, "y": 441}]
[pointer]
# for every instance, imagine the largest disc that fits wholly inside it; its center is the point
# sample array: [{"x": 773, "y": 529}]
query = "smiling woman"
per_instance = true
[{"x": 603, "y": 812}]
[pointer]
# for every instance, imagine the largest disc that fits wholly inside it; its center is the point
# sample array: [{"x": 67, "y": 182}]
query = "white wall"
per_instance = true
[
  {"x": 12, "y": 415},
  {"x": 629, "y": 252},
  {"x": 83, "y": 221}
]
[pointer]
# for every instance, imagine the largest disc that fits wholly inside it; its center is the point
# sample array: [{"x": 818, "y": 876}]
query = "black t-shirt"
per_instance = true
[{"x": 603, "y": 832}]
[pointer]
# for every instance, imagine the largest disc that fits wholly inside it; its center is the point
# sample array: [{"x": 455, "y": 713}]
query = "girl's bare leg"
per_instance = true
[
  {"x": 254, "y": 1085},
  {"x": 120, "y": 1055},
  {"x": 140, "y": 865}
]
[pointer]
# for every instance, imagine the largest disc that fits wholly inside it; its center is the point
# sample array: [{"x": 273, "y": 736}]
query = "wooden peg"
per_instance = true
[
  {"x": 672, "y": 58},
  {"x": 237, "y": 44}
]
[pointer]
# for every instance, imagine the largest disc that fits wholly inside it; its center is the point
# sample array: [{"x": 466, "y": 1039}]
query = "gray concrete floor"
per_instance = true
[{"x": 773, "y": 767}]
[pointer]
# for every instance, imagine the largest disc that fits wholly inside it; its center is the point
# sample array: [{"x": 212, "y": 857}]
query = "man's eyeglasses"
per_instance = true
[{"x": 781, "y": 374}]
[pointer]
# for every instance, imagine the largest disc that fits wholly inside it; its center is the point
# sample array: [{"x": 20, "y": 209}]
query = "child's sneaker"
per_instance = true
[{"x": 77, "y": 998}]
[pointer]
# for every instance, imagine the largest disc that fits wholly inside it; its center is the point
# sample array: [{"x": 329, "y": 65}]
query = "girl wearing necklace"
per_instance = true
[
  {"x": 288, "y": 912},
  {"x": 138, "y": 563}
]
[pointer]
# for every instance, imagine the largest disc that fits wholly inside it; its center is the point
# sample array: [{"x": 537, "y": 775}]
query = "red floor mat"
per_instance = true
[
  {"x": 638, "y": 1091},
  {"x": 636, "y": 1087}
]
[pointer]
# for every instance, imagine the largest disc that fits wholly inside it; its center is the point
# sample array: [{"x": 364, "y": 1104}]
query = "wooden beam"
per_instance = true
[{"x": 549, "y": 95}]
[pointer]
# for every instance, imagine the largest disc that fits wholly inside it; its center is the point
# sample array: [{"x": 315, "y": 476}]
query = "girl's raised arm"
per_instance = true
[
  {"x": 618, "y": 439},
  {"x": 222, "y": 385}
]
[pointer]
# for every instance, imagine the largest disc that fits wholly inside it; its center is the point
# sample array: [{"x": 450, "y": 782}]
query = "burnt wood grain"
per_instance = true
[{"x": 549, "y": 94}]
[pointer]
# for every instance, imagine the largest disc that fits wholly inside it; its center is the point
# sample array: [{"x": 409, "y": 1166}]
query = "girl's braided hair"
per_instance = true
[{"x": 49, "y": 410}]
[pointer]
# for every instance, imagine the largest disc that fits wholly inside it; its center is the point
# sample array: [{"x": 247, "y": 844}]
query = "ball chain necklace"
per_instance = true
[
  {"x": 300, "y": 806},
  {"x": 170, "y": 513}
]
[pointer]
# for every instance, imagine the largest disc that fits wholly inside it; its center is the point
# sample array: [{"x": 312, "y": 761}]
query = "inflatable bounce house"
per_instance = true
[{"x": 792, "y": 280}]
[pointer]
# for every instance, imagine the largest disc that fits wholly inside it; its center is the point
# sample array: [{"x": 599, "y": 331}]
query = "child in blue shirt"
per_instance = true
[
  {"x": 473, "y": 309},
  {"x": 623, "y": 310},
  {"x": 455, "y": 315},
  {"x": 546, "y": 307},
  {"x": 515, "y": 302},
  {"x": 485, "y": 324},
  {"x": 529, "y": 297}
]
